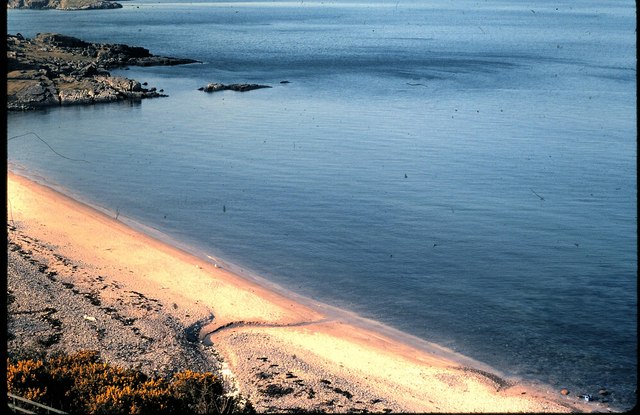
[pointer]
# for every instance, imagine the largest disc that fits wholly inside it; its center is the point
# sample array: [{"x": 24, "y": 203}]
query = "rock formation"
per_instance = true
[
  {"x": 53, "y": 69},
  {"x": 214, "y": 87},
  {"x": 63, "y": 4}
]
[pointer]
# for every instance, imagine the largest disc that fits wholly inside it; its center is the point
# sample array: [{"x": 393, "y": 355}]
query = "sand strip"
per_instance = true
[{"x": 283, "y": 354}]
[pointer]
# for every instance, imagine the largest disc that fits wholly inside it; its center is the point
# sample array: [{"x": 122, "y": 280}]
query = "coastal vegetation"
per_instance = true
[{"x": 81, "y": 383}]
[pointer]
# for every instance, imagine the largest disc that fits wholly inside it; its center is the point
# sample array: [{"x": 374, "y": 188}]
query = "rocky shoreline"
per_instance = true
[
  {"x": 53, "y": 69},
  {"x": 63, "y": 4}
]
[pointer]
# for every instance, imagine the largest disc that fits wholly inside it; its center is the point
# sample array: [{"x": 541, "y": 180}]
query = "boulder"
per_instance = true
[
  {"x": 30, "y": 94},
  {"x": 89, "y": 70},
  {"x": 122, "y": 84},
  {"x": 76, "y": 96},
  {"x": 213, "y": 87}
]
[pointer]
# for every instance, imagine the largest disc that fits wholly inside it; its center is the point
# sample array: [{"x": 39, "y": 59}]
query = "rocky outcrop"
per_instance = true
[
  {"x": 53, "y": 69},
  {"x": 214, "y": 87},
  {"x": 63, "y": 4}
]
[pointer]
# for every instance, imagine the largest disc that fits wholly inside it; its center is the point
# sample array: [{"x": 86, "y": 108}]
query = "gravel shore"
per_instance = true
[
  {"x": 57, "y": 304},
  {"x": 80, "y": 279}
]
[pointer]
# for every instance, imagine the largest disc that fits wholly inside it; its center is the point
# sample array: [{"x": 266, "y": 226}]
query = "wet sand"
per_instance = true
[{"x": 282, "y": 353}]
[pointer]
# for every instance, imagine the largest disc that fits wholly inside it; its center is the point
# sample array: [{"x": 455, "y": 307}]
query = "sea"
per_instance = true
[{"x": 462, "y": 171}]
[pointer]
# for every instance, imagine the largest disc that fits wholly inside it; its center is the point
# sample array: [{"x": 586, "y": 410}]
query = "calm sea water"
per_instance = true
[{"x": 462, "y": 171}]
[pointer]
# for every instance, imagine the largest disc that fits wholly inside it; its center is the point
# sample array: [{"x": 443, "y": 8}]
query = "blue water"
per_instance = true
[{"x": 462, "y": 171}]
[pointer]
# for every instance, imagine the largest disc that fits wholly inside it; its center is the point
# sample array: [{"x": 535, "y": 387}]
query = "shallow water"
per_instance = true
[{"x": 463, "y": 172}]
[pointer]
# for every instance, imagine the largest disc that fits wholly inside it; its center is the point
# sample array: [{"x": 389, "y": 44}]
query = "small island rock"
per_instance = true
[{"x": 214, "y": 87}]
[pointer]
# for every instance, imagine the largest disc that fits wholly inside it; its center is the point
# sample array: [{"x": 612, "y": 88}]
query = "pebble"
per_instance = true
[{"x": 564, "y": 391}]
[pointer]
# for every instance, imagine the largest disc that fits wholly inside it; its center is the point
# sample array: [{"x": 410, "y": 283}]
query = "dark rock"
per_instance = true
[
  {"x": 55, "y": 39},
  {"x": 89, "y": 70},
  {"x": 346, "y": 394},
  {"x": 30, "y": 94},
  {"x": 214, "y": 87},
  {"x": 276, "y": 390},
  {"x": 603, "y": 392}
]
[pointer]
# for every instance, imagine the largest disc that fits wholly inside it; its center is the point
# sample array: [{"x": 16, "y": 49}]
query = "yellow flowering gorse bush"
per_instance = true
[{"x": 81, "y": 383}]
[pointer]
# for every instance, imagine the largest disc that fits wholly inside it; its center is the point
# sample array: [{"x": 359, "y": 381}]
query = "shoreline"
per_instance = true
[
  {"x": 285, "y": 351},
  {"x": 327, "y": 311}
]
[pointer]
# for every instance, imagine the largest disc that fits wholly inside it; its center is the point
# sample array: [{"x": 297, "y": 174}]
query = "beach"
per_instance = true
[{"x": 143, "y": 303}]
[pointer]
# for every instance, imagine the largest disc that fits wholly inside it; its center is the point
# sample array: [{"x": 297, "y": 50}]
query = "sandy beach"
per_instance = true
[{"x": 143, "y": 303}]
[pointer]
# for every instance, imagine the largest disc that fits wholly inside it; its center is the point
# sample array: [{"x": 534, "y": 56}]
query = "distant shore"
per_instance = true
[
  {"x": 183, "y": 312},
  {"x": 64, "y": 4}
]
